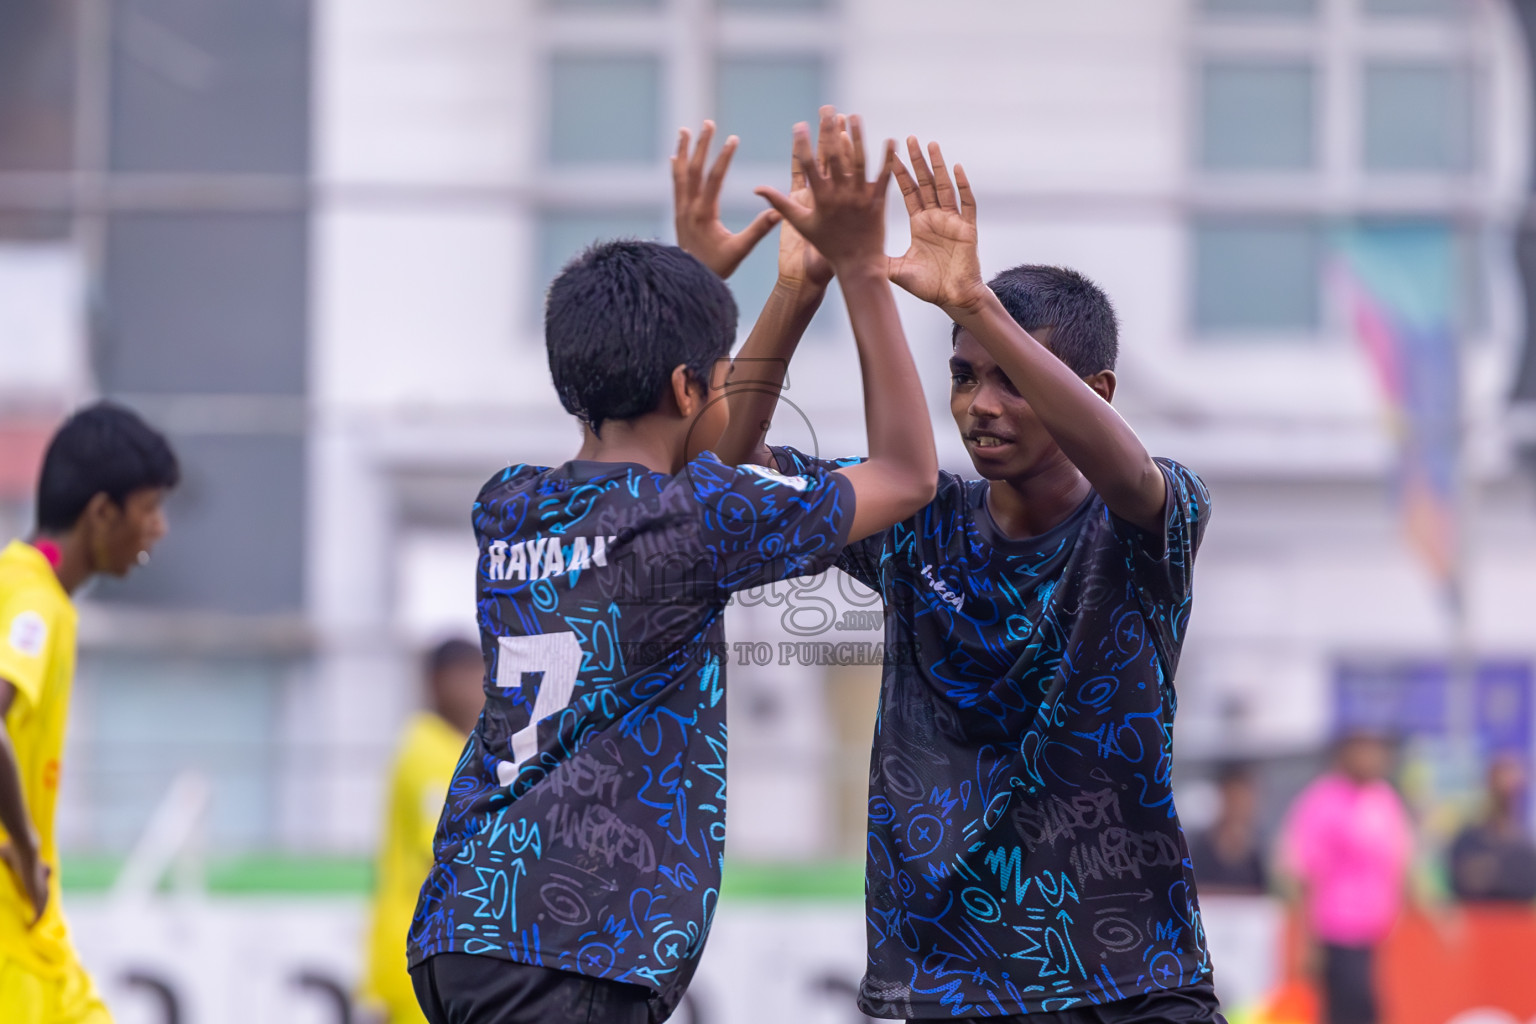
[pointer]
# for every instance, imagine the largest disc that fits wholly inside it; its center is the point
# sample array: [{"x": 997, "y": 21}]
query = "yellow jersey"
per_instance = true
[
  {"x": 424, "y": 763},
  {"x": 37, "y": 657}
]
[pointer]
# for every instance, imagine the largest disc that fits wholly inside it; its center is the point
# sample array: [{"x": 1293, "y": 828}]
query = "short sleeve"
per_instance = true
[
  {"x": 1163, "y": 566},
  {"x": 26, "y": 633},
  {"x": 860, "y": 559},
  {"x": 757, "y": 526}
]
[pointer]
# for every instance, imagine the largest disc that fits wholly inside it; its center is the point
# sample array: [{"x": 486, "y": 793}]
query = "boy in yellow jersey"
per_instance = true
[
  {"x": 98, "y": 511},
  {"x": 424, "y": 761}
]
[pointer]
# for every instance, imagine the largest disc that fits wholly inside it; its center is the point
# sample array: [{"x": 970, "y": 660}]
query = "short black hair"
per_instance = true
[
  {"x": 450, "y": 652},
  {"x": 104, "y": 448},
  {"x": 618, "y": 319},
  {"x": 1085, "y": 333}
]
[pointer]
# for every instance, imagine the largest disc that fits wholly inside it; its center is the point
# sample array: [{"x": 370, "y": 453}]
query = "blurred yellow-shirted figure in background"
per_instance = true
[
  {"x": 98, "y": 511},
  {"x": 424, "y": 762}
]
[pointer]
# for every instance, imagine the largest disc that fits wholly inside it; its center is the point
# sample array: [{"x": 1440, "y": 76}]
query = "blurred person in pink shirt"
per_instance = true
[{"x": 1346, "y": 847}]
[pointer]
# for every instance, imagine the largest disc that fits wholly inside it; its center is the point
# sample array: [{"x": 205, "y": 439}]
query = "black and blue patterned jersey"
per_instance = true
[
  {"x": 585, "y": 824},
  {"x": 1024, "y": 854}
]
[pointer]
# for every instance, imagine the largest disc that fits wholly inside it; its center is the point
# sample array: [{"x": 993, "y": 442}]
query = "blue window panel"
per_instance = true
[
  {"x": 604, "y": 109},
  {"x": 1258, "y": 116},
  {"x": 1419, "y": 117},
  {"x": 565, "y": 233},
  {"x": 760, "y": 98},
  {"x": 1257, "y": 277}
]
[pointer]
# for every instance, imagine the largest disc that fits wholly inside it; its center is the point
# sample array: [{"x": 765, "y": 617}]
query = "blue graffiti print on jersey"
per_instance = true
[
  {"x": 585, "y": 824},
  {"x": 1024, "y": 853}
]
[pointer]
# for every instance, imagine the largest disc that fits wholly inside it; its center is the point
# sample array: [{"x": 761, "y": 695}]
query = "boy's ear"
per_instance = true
[
  {"x": 687, "y": 392},
  {"x": 1103, "y": 383}
]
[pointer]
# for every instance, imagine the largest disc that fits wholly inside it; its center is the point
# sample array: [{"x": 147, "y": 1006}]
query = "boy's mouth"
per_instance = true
[{"x": 986, "y": 441}]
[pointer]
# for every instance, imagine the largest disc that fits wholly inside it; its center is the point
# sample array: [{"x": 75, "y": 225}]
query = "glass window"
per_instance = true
[
  {"x": 211, "y": 88},
  {"x": 1418, "y": 117},
  {"x": 564, "y": 233},
  {"x": 37, "y": 86},
  {"x": 604, "y": 109},
  {"x": 760, "y": 98},
  {"x": 235, "y": 485},
  {"x": 137, "y": 739},
  {"x": 1294, "y": 8},
  {"x": 1257, "y": 276},
  {"x": 1257, "y": 117},
  {"x": 246, "y": 332},
  {"x": 1431, "y": 8}
]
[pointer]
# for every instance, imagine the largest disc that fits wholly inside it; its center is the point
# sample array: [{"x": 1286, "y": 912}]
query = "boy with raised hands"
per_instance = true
[
  {"x": 1025, "y": 861},
  {"x": 577, "y": 861}
]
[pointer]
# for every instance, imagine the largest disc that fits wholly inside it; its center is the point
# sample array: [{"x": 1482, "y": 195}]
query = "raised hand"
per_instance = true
[
  {"x": 845, "y": 218},
  {"x": 941, "y": 265},
  {"x": 799, "y": 262},
  {"x": 696, "y": 205}
]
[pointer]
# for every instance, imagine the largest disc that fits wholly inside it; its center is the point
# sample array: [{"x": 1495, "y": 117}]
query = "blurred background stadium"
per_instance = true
[{"x": 309, "y": 239}]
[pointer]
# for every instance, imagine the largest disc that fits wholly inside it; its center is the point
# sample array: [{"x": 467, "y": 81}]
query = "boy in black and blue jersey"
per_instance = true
[
  {"x": 577, "y": 860},
  {"x": 1025, "y": 861}
]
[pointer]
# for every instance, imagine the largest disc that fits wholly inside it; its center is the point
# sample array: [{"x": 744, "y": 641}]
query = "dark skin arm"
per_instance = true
[
  {"x": 942, "y": 267},
  {"x": 845, "y": 221},
  {"x": 21, "y": 853},
  {"x": 758, "y": 371}
]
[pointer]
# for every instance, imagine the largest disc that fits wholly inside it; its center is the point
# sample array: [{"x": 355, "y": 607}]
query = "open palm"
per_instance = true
[
  {"x": 799, "y": 262},
  {"x": 941, "y": 265}
]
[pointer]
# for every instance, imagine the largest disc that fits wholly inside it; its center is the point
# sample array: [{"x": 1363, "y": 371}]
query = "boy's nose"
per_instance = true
[{"x": 984, "y": 405}]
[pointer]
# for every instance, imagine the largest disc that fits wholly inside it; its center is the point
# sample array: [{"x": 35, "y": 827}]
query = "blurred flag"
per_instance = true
[{"x": 1399, "y": 283}]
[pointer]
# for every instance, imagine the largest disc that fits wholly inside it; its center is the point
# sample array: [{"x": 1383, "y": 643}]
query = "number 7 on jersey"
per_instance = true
[{"x": 550, "y": 661}]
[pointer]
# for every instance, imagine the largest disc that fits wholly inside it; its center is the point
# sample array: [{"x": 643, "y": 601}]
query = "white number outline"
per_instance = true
[{"x": 555, "y": 656}]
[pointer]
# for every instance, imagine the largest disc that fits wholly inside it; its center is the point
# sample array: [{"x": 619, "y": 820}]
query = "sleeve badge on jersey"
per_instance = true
[
  {"x": 798, "y": 483},
  {"x": 28, "y": 634}
]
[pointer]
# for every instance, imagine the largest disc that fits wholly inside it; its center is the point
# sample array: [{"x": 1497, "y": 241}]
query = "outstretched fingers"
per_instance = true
[
  {"x": 943, "y": 187},
  {"x": 911, "y": 195},
  {"x": 716, "y": 179},
  {"x": 921, "y": 173},
  {"x": 967, "y": 197},
  {"x": 888, "y": 163},
  {"x": 856, "y": 143},
  {"x": 700, "y": 154},
  {"x": 805, "y": 157}
]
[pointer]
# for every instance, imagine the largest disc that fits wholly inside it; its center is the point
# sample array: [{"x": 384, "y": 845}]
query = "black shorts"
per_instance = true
[
  {"x": 457, "y": 988},
  {"x": 1196, "y": 1005},
  {"x": 1349, "y": 985}
]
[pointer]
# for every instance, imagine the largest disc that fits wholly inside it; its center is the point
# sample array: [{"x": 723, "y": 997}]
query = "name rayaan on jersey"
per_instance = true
[{"x": 543, "y": 557}]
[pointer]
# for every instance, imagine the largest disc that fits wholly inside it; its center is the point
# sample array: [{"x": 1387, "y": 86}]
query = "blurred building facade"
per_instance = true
[{"x": 310, "y": 238}]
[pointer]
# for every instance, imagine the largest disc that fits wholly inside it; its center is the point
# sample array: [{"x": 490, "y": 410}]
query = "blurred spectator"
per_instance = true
[
  {"x": 1227, "y": 855},
  {"x": 429, "y": 750},
  {"x": 1347, "y": 847},
  {"x": 1495, "y": 860}
]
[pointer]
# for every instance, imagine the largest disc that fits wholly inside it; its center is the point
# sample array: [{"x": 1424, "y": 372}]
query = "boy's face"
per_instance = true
[
  {"x": 1001, "y": 432},
  {"x": 121, "y": 534}
]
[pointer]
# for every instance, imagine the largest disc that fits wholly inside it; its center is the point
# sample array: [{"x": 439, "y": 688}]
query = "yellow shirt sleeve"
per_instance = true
[
  {"x": 418, "y": 784},
  {"x": 27, "y": 623}
]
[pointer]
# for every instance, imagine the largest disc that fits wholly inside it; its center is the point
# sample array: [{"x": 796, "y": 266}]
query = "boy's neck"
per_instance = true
[
  {"x": 646, "y": 440},
  {"x": 72, "y": 562},
  {"x": 1030, "y": 505}
]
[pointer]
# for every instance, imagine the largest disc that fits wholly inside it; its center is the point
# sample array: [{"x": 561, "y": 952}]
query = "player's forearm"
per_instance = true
[
  {"x": 758, "y": 371},
  {"x": 1088, "y": 429},
  {"x": 895, "y": 411},
  {"x": 13, "y": 804}
]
